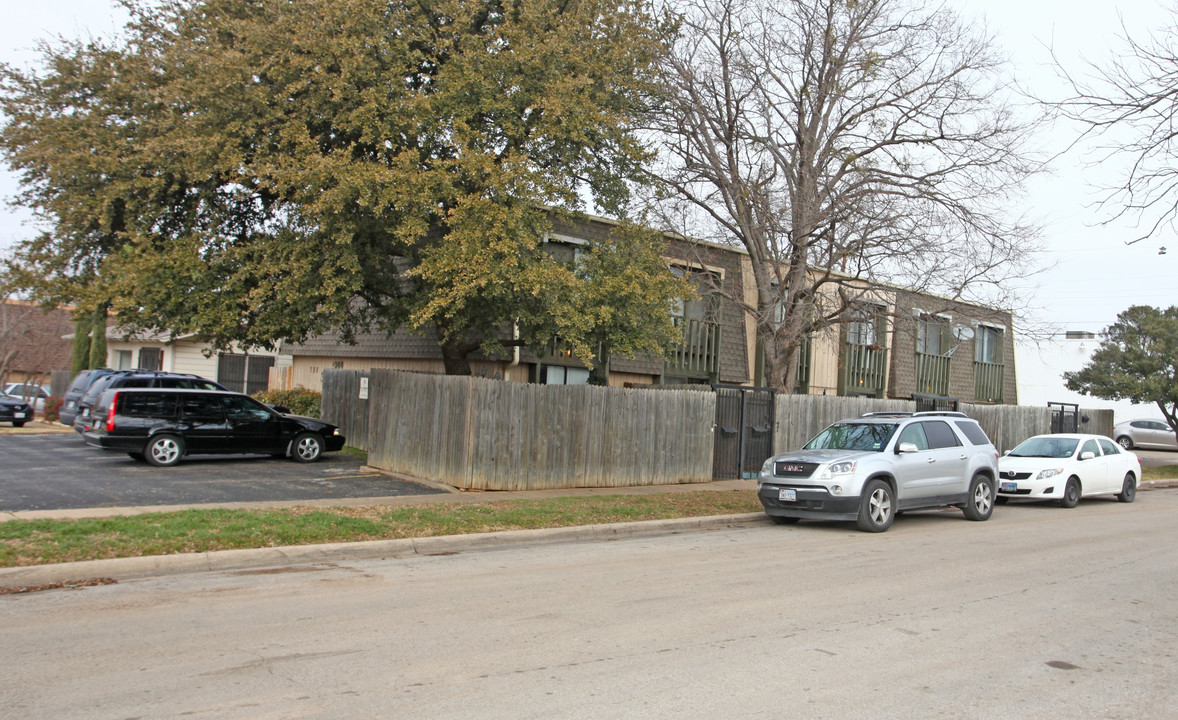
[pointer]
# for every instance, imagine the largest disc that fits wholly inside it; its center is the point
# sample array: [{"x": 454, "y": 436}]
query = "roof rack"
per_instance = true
[{"x": 923, "y": 413}]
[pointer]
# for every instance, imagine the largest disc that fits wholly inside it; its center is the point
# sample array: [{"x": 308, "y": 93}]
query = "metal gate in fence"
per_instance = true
[
  {"x": 935, "y": 403},
  {"x": 1065, "y": 417},
  {"x": 744, "y": 430}
]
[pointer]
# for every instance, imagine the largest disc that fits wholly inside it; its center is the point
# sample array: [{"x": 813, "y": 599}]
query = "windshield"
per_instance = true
[
  {"x": 1046, "y": 447},
  {"x": 853, "y": 436}
]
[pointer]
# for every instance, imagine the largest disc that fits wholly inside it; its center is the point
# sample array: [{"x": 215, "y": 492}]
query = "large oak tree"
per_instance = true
[{"x": 254, "y": 171}]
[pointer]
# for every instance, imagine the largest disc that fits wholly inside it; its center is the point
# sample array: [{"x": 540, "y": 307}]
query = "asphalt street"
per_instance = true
[
  {"x": 1040, "y": 612},
  {"x": 58, "y": 471}
]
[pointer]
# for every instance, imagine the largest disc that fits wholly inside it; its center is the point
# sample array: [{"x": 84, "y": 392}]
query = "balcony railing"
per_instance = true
[
  {"x": 864, "y": 369},
  {"x": 932, "y": 374},
  {"x": 988, "y": 381},
  {"x": 699, "y": 352}
]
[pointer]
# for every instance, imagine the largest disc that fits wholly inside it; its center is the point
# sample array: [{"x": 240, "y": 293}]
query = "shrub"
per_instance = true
[
  {"x": 53, "y": 409},
  {"x": 300, "y": 400}
]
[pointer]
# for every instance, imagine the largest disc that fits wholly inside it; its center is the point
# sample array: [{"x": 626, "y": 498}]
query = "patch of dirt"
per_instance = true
[{"x": 67, "y": 585}]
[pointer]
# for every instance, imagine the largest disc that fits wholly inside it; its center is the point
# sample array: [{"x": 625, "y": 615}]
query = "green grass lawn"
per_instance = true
[
  {"x": 38, "y": 542},
  {"x": 1162, "y": 472}
]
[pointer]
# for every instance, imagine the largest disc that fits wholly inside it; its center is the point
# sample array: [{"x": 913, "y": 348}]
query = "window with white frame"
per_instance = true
[
  {"x": 988, "y": 344},
  {"x": 931, "y": 332},
  {"x": 861, "y": 330}
]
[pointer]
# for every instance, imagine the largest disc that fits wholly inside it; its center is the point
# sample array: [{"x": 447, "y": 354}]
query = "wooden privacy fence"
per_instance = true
[
  {"x": 493, "y": 435},
  {"x": 344, "y": 404}
]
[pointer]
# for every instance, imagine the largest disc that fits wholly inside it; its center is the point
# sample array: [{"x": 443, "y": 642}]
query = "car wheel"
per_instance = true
[
  {"x": 779, "y": 520},
  {"x": 137, "y": 457},
  {"x": 164, "y": 450},
  {"x": 1128, "y": 489},
  {"x": 1126, "y": 442},
  {"x": 981, "y": 499},
  {"x": 307, "y": 447},
  {"x": 877, "y": 507},
  {"x": 1071, "y": 493}
]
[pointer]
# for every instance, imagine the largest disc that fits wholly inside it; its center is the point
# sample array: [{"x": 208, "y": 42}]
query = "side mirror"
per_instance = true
[
  {"x": 906, "y": 447},
  {"x": 1087, "y": 455}
]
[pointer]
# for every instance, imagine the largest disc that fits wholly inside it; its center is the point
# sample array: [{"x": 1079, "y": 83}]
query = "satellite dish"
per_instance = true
[{"x": 962, "y": 333}]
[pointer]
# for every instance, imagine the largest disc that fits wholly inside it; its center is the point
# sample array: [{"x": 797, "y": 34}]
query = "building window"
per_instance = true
[
  {"x": 561, "y": 375},
  {"x": 931, "y": 335},
  {"x": 703, "y": 307},
  {"x": 122, "y": 360},
  {"x": 244, "y": 373},
  {"x": 989, "y": 345},
  {"x": 861, "y": 329},
  {"x": 151, "y": 358}
]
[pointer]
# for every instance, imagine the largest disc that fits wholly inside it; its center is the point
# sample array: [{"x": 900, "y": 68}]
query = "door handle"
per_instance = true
[{"x": 932, "y": 460}]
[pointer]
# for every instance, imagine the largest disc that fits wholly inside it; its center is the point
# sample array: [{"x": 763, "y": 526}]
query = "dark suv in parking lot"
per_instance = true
[
  {"x": 162, "y": 426},
  {"x": 78, "y": 386},
  {"x": 135, "y": 379}
]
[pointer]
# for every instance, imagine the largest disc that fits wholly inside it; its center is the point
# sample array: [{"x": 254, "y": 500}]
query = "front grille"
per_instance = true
[
  {"x": 785, "y": 468},
  {"x": 1014, "y": 475}
]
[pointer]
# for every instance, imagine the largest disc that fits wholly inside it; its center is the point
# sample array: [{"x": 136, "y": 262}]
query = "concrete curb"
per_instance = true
[{"x": 254, "y": 559}]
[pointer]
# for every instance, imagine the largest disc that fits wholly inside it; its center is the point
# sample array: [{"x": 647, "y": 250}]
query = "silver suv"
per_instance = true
[{"x": 870, "y": 468}]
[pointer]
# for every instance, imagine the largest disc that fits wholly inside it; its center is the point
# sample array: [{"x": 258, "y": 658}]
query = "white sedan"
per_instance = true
[{"x": 1068, "y": 467}]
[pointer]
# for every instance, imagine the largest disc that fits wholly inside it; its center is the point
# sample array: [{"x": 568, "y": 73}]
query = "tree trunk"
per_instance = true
[{"x": 456, "y": 357}]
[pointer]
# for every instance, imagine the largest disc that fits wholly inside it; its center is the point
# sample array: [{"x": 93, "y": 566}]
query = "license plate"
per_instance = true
[
  {"x": 1008, "y": 487},
  {"x": 787, "y": 495},
  {"x": 18, "y": 416}
]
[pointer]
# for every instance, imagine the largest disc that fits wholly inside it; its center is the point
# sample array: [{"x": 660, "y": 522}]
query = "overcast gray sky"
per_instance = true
[{"x": 1095, "y": 274}]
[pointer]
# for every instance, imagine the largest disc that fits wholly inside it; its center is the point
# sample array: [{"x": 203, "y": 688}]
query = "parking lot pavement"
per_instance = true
[
  {"x": 58, "y": 471},
  {"x": 1156, "y": 458}
]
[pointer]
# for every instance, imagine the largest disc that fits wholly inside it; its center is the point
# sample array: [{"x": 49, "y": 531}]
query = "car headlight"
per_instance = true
[
  {"x": 846, "y": 467},
  {"x": 767, "y": 467},
  {"x": 1048, "y": 473}
]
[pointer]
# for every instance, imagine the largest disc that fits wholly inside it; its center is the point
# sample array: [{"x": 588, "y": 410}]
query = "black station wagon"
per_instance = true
[{"x": 161, "y": 426}]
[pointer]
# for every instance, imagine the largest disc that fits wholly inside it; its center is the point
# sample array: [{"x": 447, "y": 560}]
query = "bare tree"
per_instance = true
[
  {"x": 1130, "y": 107},
  {"x": 842, "y": 142}
]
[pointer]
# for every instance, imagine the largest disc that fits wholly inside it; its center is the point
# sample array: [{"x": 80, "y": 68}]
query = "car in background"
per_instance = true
[
  {"x": 32, "y": 393},
  {"x": 75, "y": 391},
  {"x": 16, "y": 411},
  {"x": 1149, "y": 434},
  {"x": 136, "y": 378},
  {"x": 161, "y": 426},
  {"x": 871, "y": 468},
  {"x": 1067, "y": 467}
]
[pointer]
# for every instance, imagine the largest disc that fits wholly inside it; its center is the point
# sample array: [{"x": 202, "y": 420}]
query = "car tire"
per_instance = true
[
  {"x": 1071, "y": 493},
  {"x": 877, "y": 507},
  {"x": 1125, "y": 442},
  {"x": 981, "y": 499},
  {"x": 306, "y": 447},
  {"x": 780, "y": 520},
  {"x": 164, "y": 450},
  {"x": 137, "y": 456},
  {"x": 1128, "y": 489}
]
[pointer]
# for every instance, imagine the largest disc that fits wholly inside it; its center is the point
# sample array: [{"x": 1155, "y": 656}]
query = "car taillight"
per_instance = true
[{"x": 110, "y": 414}]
